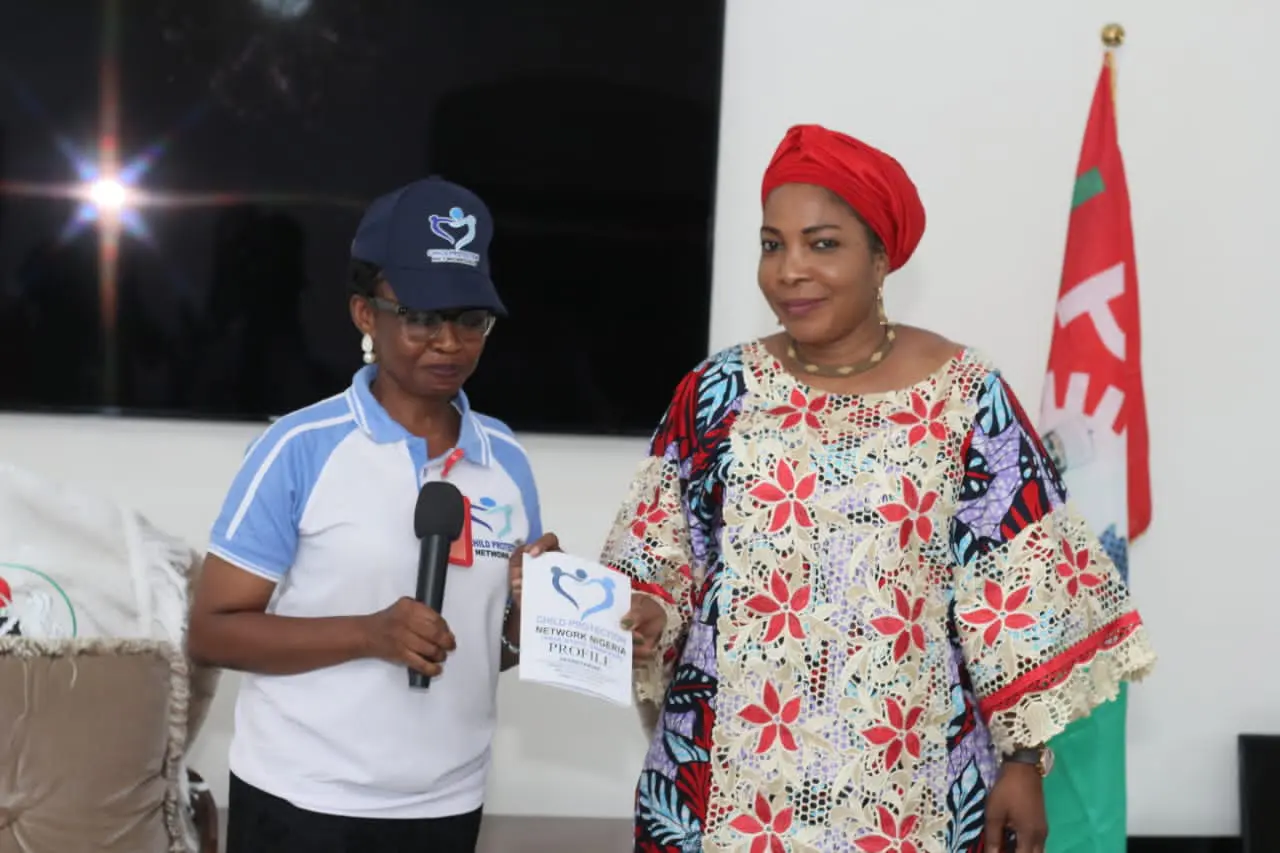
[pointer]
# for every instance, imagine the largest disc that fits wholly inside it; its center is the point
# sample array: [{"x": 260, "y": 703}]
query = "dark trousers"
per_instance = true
[{"x": 258, "y": 822}]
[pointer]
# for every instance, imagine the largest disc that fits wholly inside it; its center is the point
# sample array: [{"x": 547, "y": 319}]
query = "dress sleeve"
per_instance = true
[
  {"x": 651, "y": 540},
  {"x": 1046, "y": 624}
]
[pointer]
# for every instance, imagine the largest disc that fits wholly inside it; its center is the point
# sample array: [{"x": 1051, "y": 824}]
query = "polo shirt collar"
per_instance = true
[{"x": 374, "y": 421}]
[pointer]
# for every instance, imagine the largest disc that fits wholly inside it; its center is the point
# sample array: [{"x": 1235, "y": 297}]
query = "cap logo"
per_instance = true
[{"x": 451, "y": 229}]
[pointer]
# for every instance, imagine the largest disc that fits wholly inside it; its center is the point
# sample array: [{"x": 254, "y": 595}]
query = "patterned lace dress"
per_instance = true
[{"x": 866, "y": 596}]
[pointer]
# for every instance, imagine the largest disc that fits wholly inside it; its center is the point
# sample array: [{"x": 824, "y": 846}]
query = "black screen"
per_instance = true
[{"x": 246, "y": 137}]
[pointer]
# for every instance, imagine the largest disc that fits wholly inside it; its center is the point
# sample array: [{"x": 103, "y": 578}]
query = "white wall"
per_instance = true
[{"x": 985, "y": 104}]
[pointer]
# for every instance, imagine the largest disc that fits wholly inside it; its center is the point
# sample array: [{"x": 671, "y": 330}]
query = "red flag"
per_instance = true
[
  {"x": 1094, "y": 419},
  {"x": 1097, "y": 346}
]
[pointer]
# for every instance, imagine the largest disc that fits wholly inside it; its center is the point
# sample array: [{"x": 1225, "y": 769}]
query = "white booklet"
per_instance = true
[{"x": 571, "y": 634}]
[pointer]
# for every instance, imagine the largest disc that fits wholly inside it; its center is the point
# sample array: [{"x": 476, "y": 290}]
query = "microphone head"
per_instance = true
[{"x": 440, "y": 511}]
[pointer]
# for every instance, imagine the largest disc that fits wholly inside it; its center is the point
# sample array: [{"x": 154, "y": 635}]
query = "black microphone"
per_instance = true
[{"x": 437, "y": 521}]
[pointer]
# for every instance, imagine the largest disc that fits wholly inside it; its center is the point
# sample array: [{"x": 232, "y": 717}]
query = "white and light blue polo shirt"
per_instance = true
[{"x": 323, "y": 505}]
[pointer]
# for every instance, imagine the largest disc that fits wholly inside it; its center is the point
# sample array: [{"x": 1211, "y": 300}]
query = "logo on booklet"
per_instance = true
[{"x": 576, "y": 588}]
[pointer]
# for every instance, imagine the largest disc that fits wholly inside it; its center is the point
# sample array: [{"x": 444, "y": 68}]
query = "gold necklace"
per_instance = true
[{"x": 844, "y": 371}]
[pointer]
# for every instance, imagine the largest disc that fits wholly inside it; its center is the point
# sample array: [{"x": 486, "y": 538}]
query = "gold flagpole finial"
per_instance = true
[{"x": 1113, "y": 36}]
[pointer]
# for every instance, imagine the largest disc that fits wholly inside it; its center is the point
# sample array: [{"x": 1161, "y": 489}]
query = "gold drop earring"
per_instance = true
[{"x": 884, "y": 318}]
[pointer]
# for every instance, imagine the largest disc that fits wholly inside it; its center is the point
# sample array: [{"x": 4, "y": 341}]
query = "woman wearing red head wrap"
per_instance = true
[{"x": 863, "y": 601}]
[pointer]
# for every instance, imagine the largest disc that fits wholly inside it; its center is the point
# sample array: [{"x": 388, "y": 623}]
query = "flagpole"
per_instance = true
[{"x": 1112, "y": 39}]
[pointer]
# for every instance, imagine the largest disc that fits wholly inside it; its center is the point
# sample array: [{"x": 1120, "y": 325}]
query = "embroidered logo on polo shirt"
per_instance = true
[
  {"x": 488, "y": 514},
  {"x": 493, "y": 516}
]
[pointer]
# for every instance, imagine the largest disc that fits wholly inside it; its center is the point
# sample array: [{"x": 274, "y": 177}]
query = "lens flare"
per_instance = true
[{"x": 108, "y": 195}]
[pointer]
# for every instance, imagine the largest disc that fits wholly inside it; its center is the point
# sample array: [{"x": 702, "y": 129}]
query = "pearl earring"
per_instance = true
[{"x": 366, "y": 345}]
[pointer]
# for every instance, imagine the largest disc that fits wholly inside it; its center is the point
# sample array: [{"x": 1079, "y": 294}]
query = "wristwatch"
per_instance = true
[{"x": 1040, "y": 757}]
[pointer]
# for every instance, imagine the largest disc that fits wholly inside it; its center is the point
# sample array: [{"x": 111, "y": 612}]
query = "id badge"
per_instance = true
[{"x": 460, "y": 551}]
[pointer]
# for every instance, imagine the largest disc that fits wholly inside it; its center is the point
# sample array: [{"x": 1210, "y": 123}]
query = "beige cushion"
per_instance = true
[
  {"x": 94, "y": 731},
  {"x": 204, "y": 679}
]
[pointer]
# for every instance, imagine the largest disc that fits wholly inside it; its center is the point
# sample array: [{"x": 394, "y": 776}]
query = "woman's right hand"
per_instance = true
[
  {"x": 646, "y": 619},
  {"x": 408, "y": 632}
]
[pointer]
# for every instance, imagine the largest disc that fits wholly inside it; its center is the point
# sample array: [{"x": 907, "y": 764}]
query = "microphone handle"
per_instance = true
[{"x": 433, "y": 565}]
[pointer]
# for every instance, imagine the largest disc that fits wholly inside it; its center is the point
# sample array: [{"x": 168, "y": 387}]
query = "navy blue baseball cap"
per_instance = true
[{"x": 431, "y": 240}]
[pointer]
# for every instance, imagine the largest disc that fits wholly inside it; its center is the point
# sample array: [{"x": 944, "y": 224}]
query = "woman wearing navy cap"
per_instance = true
[{"x": 313, "y": 557}]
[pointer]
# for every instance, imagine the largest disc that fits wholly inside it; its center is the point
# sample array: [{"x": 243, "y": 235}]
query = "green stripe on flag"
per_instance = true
[
  {"x": 1085, "y": 795},
  {"x": 1088, "y": 185}
]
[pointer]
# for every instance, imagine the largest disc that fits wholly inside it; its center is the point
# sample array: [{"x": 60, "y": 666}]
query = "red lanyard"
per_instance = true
[
  {"x": 452, "y": 459},
  {"x": 461, "y": 553}
]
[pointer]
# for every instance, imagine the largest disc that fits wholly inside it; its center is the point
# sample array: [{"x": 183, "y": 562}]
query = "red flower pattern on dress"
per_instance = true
[
  {"x": 800, "y": 408},
  {"x": 766, "y": 829},
  {"x": 787, "y": 496},
  {"x": 923, "y": 419},
  {"x": 898, "y": 735},
  {"x": 774, "y": 718},
  {"x": 905, "y": 627},
  {"x": 648, "y": 513},
  {"x": 909, "y": 826},
  {"x": 912, "y": 513},
  {"x": 1001, "y": 612},
  {"x": 1074, "y": 570},
  {"x": 893, "y": 836},
  {"x": 781, "y": 605}
]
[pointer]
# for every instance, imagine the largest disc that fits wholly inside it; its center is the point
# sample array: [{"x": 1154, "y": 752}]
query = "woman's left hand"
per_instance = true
[
  {"x": 1016, "y": 805},
  {"x": 544, "y": 543}
]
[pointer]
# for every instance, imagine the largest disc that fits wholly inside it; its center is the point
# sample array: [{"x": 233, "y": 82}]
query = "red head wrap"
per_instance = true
[{"x": 870, "y": 181}]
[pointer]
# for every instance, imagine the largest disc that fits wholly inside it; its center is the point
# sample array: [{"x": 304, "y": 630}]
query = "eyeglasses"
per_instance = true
[{"x": 470, "y": 324}]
